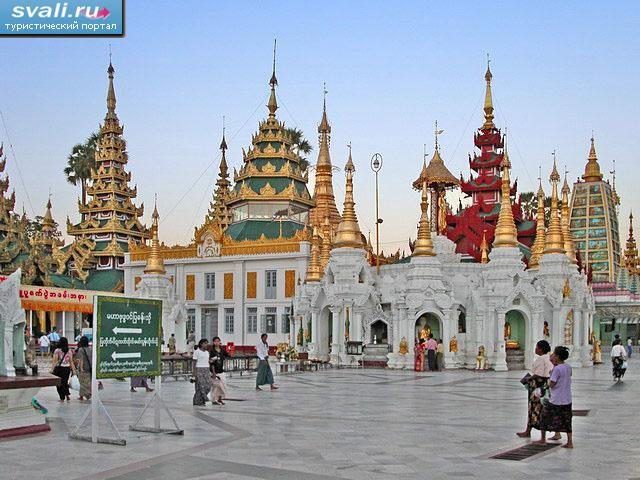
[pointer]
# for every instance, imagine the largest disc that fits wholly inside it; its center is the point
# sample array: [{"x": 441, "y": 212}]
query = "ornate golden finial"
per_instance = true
[
  {"x": 437, "y": 132},
  {"x": 484, "y": 248},
  {"x": 564, "y": 222},
  {"x": 592, "y": 171},
  {"x": 488, "y": 101},
  {"x": 273, "y": 104},
  {"x": 314, "y": 271},
  {"x": 326, "y": 244},
  {"x": 155, "y": 263},
  {"x": 424, "y": 244},
  {"x": 538, "y": 245},
  {"x": 348, "y": 233},
  {"x": 616, "y": 197},
  {"x": 506, "y": 234},
  {"x": 223, "y": 144},
  {"x": 554, "y": 243},
  {"x": 324, "y": 128},
  {"x": 111, "y": 94}
]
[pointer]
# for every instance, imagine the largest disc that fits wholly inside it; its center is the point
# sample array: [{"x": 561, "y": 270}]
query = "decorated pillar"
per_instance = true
[
  {"x": 356, "y": 329},
  {"x": 450, "y": 319}
]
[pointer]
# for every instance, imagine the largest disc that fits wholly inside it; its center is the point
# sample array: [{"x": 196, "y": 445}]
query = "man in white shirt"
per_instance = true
[
  {"x": 44, "y": 345},
  {"x": 265, "y": 375}
]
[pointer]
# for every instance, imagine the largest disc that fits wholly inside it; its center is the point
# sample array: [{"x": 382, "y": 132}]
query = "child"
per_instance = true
[{"x": 556, "y": 412}]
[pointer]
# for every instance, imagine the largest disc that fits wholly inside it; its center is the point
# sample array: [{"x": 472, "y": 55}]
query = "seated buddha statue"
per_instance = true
[
  {"x": 510, "y": 344},
  {"x": 424, "y": 333}
]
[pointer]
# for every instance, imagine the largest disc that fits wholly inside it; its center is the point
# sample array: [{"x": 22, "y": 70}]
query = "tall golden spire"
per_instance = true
[
  {"x": 488, "y": 100},
  {"x": 538, "y": 245},
  {"x": 630, "y": 258},
  {"x": 155, "y": 263},
  {"x": 592, "y": 171},
  {"x": 566, "y": 231},
  {"x": 424, "y": 244},
  {"x": 484, "y": 249},
  {"x": 554, "y": 243},
  {"x": 348, "y": 233},
  {"x": 273, "y": 104},
  {"x": 314, "y": 271},
  {"x": 218, "y": 211},
  {"x": 323, "y": 189},
  {"x": 506, "y": 234}
]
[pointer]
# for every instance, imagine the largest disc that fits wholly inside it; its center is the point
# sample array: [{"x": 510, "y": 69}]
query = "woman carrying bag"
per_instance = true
[
  {"x": 618, "y": 359},
  {"x": 84, "y": 363},
  {"x": 64, "y": 366}
]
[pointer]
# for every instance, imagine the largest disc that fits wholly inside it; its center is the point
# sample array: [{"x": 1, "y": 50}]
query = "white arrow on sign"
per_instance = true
[
  {"x": 117, "y": 356},
  {"x": 118, "y": 330}
]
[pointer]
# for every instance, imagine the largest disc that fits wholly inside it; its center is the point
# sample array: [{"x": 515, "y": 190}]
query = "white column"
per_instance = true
[
  {"x": 356, "y": 329},
  {"x": 500, "y": 358},
  {"x": 335, "y": 334},
  {"x": 450, "y": 321}
]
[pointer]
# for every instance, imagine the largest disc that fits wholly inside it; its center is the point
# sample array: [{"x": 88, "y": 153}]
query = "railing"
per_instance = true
[{"x": 181, "y": 366}]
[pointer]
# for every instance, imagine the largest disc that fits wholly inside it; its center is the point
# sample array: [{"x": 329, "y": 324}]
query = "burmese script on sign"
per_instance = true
[{"x": 129, "y": 337}]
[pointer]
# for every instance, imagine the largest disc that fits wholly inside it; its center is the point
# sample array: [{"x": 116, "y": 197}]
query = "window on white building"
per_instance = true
[
  {"x": 270, "y": 290},
  {"x": 252, "y": 320},
  {"x": 190, "y": 324},
  {"x": 270, "y": 320},
  {"x": 228, "y": 320},
  {"x": 209, "y": 286},
  {"x": 286, "y": 320}
]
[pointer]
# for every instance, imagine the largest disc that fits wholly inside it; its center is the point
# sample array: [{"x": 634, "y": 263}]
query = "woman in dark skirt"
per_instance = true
[
  {"x": 618, "y": 356},
  {"x": 201, "y": 373},
  {"x": 556, "y": 412},
  {"x": 536, "y": 385}
]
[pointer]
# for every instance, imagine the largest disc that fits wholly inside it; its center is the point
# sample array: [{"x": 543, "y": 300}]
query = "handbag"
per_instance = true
[
  {"x": 525, "y": 380},
  {"x": 624, "y": 365},
  {"x": 57, "y": 370}
]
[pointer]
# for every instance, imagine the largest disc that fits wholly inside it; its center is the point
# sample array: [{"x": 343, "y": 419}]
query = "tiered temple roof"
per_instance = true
[
  {"x": 14, "y": 241},
  {"x": 270, "y": 198},
  {"x": 467, "y": 227},
  {"x": 109, "y": 221}
]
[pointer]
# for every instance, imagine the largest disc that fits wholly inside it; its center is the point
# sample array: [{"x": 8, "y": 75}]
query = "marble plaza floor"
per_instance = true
[{"x": 344, "y": 424}]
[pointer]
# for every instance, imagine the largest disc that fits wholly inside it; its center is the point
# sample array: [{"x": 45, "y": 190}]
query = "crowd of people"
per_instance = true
[{"x": 429, "y": 354}]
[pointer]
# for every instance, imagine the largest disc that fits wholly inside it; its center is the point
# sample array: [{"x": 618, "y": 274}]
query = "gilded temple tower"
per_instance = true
[
  {"x": 109, "y": 221},
  {"x": 594, "y": 221}
]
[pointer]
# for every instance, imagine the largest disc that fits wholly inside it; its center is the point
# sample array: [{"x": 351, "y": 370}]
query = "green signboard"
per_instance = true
[{"x": 127, "y": 337}]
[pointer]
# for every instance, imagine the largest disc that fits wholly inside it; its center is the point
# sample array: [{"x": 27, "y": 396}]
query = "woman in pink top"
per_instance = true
[
  {"x": 557, "y": 412},
  {"x": 536, "y": 385}
]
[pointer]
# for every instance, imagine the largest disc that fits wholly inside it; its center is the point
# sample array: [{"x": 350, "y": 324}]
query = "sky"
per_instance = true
[{"x": 560, "y": 71}]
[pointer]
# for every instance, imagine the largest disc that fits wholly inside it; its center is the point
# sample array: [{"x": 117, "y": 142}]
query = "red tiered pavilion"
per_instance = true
[{"x": 467, "y": 227}]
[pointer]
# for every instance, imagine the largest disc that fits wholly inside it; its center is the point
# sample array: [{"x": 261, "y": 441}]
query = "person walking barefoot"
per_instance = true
[
  {"x": 556, "y": 412},
  {"x": 265, "y": 375}
]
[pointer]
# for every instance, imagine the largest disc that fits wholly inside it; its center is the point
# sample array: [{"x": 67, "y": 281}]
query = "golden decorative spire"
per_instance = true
[
  {"x": 630, "y": 257},
  {"x": 47, "y": 221},
  {"x": 564, "y": 222},
  {"x": 538, "y": 245},
  {"x": 155, "y": 263},
  {"x": 273, "y": 104},
  {"x": 484, "y": 249},
  {"x": 111, "y": 94},
  {"x": 424, "y": 244},
  {"x": 592, "y": 171},
  {"x": 488, "y": 101},
  {"x": 323, "y": 190},
  {"x": 314, "y": 271},
  {"x": 218, "y": 211},
  {"x": 554, "y": 243},
  {"x": 348, "y": 233},
  {"x": 506, "y": 234}
]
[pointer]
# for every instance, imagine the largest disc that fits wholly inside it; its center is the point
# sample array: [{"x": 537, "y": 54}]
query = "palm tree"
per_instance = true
[
  {"x": 80, "y": 162},
  {"x": 300, "y": 145}
]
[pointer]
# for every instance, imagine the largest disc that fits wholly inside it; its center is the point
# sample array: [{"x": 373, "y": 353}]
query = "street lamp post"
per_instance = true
[{"x": 376, "y": 166}]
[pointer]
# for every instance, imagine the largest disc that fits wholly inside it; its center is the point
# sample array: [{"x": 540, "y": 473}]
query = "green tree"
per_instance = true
[
  {"x": 300, "y": 145},
  {"x": 80, "y": 162},
  {"x": 529, "y": 203}
]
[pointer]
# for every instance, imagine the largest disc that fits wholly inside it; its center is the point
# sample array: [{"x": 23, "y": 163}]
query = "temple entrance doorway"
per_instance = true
[
  {"x": 515, "y": 339},
  {"x": 514, "y": 330},
  {"x": 427, "y": 323},
  {"x": 379, "y": 333}
]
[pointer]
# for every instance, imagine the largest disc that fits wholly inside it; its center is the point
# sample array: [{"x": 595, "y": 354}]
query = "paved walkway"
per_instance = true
[{"x": 344, "y": 424}]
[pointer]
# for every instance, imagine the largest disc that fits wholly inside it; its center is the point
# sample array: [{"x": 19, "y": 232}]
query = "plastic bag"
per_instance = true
[
  {"x": 74, "y": 383},
  {"x": 624, "y": 365}
]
